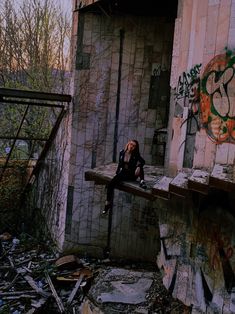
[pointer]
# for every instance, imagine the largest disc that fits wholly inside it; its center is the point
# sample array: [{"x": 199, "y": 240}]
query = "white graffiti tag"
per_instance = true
[{"x": 217, "y": 88}]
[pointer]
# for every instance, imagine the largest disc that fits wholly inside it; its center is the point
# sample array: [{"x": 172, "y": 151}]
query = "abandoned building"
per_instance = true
[{"x": 165, "y": 76}]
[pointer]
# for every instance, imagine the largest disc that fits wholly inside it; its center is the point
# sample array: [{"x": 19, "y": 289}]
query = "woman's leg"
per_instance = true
[
  {"x": 141, "y": 176},
  {"x": 110, "y": 188},
  {"x": 110, "y": 191}
]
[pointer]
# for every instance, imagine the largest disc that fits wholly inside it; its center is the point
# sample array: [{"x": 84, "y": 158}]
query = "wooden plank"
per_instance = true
[
  {"x": 222, "y": 177},
  {"x": 199, "y": 181},
  {"x": 179, "y": 185},
  {"x": 15, "y": 293},
  {"x": 161, "y": 188},
  {"x": 55, "y": 295},
  {"x": 33, "y": 285},
  {"x": 75, "y": 289}
]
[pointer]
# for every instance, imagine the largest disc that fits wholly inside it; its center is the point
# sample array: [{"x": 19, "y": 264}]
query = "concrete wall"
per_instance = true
[
  {"x": 197, "y": 251},
  {"x": 49, "y": 191},
  {"x": 203, "y": 134},
  {"x": 197, "y": 237},
  {"x": 197, "y": 232},
  {"x": 146, "y": 44}
]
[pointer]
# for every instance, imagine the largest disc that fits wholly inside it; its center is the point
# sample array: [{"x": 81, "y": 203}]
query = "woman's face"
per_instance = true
[{"x": 131, "y": 146}]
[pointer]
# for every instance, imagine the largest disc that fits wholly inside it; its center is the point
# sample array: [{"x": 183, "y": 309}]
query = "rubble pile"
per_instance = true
[
  {"x": 133, "y": 289},
  {"x": 35, "y": 278}
]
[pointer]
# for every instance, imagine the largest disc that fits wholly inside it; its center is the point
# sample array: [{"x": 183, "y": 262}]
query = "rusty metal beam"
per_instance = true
[
  {"x": 38, "y": 104},
  {"x": 23, "y": 138},
  {"x": 15, "y": 93},
  {"x": 48, "y": 143}
]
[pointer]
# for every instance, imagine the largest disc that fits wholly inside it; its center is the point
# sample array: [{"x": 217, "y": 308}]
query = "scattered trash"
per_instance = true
[
  {"x": 34, "y": 279},
  {"x": 31, "y": 274},
  {"x": 68, "y": 262}
]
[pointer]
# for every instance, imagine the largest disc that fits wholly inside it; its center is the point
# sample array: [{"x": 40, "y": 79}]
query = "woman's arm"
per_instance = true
[
  {"x": 120, "y": 161},
  {"x": 140, "y": 162}
]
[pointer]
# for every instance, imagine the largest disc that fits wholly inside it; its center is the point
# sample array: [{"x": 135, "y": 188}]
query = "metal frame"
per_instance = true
[{"x": 38, "y": 99}]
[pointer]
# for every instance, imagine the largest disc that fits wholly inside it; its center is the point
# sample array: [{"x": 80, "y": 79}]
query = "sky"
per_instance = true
[{"x": 65, "y": 4}]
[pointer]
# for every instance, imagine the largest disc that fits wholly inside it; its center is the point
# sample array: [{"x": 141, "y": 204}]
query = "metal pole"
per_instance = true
[
  {"x": 115, "y": 139},
  {"x": 108, "y": 247}
]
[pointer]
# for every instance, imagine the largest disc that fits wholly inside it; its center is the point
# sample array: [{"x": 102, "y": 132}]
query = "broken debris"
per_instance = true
[
  {"x": 34, "y": 278},
  {"x": 31, "y": 275}
]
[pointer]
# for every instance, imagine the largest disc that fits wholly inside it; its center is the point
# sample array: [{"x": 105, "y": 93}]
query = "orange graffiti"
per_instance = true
[
  {"x": 217, "y": 105},
  {"x": 205, "y": 107}
]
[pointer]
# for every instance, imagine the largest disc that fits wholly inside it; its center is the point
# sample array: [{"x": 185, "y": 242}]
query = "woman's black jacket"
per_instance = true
[{"x": 135, "y": 161}]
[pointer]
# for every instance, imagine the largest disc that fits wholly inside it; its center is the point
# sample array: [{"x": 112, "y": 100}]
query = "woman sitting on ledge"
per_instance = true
[{"x": 130, "y": 168}]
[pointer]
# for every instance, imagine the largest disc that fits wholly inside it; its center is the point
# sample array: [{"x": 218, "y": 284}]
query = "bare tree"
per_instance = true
[
  {"x": 34, "y": 41},
  {"x": 34, "y": 55}
]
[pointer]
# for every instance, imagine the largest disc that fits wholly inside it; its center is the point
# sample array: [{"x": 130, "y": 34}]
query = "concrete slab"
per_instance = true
[
  {"x": 118, "y": 289},
  {"x": 125, "y": 286}
]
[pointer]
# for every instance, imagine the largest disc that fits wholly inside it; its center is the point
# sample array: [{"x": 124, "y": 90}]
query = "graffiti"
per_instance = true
[
  {"x": 212, "y": 97},
  {"x": 188, "y": 95},
  {"x": 217, "y": 107},
  {"x": 194, "y": 95},
  {"x": 216, "y": 256},
  {"x": 216, "y": 241},
  {"x": 187, "y": 83}
]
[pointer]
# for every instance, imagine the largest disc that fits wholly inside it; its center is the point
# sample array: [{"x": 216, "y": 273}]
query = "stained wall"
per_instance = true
[
  {"x": 118, "y": 62},
  {"x": 197, "y": 231},
  {"x": 202, "y": 82},
  {"x": 193, "y": 236}
]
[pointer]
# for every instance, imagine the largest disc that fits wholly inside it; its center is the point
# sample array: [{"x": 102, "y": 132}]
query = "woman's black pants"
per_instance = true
[{"x": 121, "y": 176}]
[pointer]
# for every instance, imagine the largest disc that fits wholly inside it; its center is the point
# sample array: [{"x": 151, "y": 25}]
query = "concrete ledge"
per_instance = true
[
  {"x": 222, "y": 177},
  {"x": 199, "y": 181},
  {"x": 179, "y": 185},
  {"x": 104, "y": 174},
  {"x": 160, "y": 186}
]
